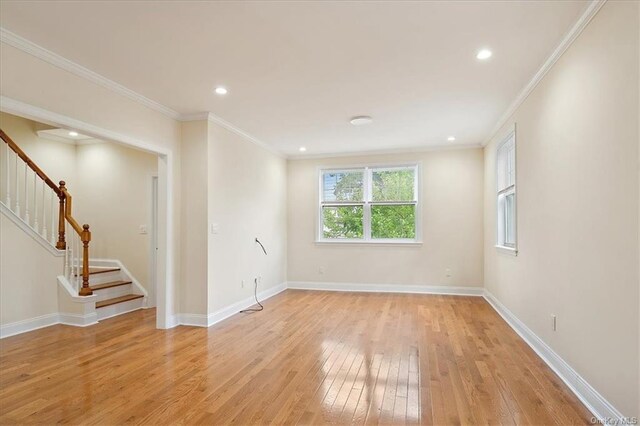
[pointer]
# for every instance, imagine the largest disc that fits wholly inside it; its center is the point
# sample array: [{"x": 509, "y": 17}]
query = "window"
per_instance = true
[
  {"x": 369, "y": 204},
  {"x": 506, "y": 188}
]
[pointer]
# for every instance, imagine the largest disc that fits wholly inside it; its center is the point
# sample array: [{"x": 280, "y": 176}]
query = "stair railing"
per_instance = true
[{"x": 23, "y": 178}]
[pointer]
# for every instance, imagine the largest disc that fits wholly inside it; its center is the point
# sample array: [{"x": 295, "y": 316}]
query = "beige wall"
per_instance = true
[
  {"x": 113, "y": 195},
  {"x": 247, "y": 199},
  {"x": 451, "y": 200},
  {"x": 193, "y": 279},
  {"x": 577, "y": 178},
  {"x": 25, "y": 291}
]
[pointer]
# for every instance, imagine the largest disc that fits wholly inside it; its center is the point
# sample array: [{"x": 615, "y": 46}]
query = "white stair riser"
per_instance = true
[
  {"x": 119, "y": 308},
  {"x": 110, "y": 293},
  {"x": 107, "y": 277}
]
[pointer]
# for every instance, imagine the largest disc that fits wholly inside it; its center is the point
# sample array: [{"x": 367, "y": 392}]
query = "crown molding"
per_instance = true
[
  {"x": 391, "y": 151},
  {"x": 566, "y": 42},
  {"x": 61, "y": 62},
  {"x": 52, "y": 58},
  {"x": 212, "y": 118}
]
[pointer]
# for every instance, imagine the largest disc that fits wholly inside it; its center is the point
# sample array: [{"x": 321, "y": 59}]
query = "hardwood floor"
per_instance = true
[{"x": 308, "y": 358}]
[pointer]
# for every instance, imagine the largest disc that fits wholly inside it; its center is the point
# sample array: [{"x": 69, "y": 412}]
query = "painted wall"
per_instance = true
[
  {"x": 247, "y": 199},
  {"x": 451, "y": 200},
  {"x": 25, "y": 78},
  {"x": 113, "y": 195},
  {"x": 193, "y": 278},
  {"x": 25, "y": 291},
  {"x": 577, "y": 183}
]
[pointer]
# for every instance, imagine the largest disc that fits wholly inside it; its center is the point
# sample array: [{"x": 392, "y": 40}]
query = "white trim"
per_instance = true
[
  {"x": 22, "y": 109},
  {"x": 372, "y": 153},
  {"x": 78, "y": 320},
  {"x": 596, "y": 403},
  {"x": 507, "y": 250},
  {"x": 52, "y": 58},
  {"x": 387, "y": 288},
  {"x": 567, "y": 41},
  {"x": 30, "y": 231},
  {"x": 384, "y": 243},
  {"x": 30, "y": 324},
  {"x": 202, "y": 320},
  {"x": 212, "y": 118}
]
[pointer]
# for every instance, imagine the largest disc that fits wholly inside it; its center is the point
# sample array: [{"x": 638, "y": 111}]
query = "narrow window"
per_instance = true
[{"x": 506, "y": 193}]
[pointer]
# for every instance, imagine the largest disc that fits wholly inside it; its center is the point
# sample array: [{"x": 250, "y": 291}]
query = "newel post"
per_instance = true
[
  {"x": 61, "y": 244},
  {"x": 86, "y": 237}
]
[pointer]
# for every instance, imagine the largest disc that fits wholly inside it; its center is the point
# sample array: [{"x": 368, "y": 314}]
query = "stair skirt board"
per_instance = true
[{"x": 119, "y": 308}]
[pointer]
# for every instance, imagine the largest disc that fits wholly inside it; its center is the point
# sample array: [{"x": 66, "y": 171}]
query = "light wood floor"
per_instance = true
[{"x": 308, "y": 358}]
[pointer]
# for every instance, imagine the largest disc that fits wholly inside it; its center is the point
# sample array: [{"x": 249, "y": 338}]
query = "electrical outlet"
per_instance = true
[
  {"x": 321, "y": 270},
  {"x": 142, "y": 230},
  {"x": 215, "y": 228},
  {"x": 554, "y": 322},
  {"x": 448, "y": 272}
]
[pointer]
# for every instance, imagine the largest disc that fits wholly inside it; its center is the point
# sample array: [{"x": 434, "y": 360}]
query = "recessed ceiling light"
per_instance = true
[
  {"x": 302, "y": 149},
  {"x": 484, "y": 54},
  {"x": 451, "y": 138},
  {"x": 221, "y": 90},
  {"x": 73, "y": 134},
  {"x": 361, "y": 120}
]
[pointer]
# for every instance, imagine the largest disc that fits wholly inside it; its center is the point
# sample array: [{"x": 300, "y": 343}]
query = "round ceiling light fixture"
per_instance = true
[
  {"x": 361, "y": 120},
  {"x": 302, "y": 149},
  {"x": 221, "y": 90},
  {"x": 484, "y": 54},
  {"x": 73, "y": 134},
  {"x": 451, "y": 138}
]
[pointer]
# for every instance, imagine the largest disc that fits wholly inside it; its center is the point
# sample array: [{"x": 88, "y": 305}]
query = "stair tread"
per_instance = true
[
  {"x": 120, "y": 299},
  {"x": 93, "y": 271},
  {"x": 109, "y": 285}
]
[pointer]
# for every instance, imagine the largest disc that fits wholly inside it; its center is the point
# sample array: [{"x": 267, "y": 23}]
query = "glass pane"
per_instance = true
[
  {"x": 510, "y": 219},
  {"x": 393, "y": 185},
  {"x": 342, "y": 222},
  {"x": 343, "y": 186},
  {"x": 397, "y": 221}
]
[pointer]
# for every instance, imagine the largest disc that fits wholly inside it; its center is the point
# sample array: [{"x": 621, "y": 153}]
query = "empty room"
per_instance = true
[{"x": 320, "y": 212}]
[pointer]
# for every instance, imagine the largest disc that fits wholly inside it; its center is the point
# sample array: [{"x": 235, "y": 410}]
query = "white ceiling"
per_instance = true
[{"x": 297, "y": 71}]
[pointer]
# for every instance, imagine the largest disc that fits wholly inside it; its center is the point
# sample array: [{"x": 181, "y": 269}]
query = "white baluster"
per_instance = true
[
  {"x": 44, "y": 211},
  {"x": 17, "y": 189},
  {"x": 8, "y": 195},
  {"x": 35, "y": 201},
  {"x": 54, "y": 239},
  {"x": 26, "y": 196},
  {"x": 66, "y": 259}
]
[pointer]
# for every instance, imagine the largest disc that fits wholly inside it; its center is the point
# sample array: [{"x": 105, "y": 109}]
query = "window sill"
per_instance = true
[
  {"x": 370, "y": 242},
  {"x": 507, "y": 250}
]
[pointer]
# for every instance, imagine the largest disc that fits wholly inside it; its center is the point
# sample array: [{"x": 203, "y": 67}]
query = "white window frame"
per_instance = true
[
  {"x": 502, "y": 167},
  {"x": 367, "y": 203}
]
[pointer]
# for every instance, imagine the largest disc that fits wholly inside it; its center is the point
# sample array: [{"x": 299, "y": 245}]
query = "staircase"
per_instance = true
[
  {"x": 115, "y": 291},
  {"x": 44, "y": 210}
]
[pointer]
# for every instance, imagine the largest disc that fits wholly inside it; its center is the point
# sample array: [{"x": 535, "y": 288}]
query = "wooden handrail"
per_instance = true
[
  {"x": 64, "y": 213},
  {"x": 15, "y": 148}
]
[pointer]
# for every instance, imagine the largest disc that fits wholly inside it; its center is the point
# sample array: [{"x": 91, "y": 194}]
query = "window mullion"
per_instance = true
[{"x": 368, "y": 195}]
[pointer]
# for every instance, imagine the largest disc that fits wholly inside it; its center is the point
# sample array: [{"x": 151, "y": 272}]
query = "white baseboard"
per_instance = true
[
  {"x": 31, "y": 324},
  {"x": 19, "y": 327},
  {"x": 79, "y": 320},
  {"x": 387, "y": 288},
  {"x": 596, "y": 403},
  {"x": 202, "y": 320}
]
